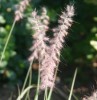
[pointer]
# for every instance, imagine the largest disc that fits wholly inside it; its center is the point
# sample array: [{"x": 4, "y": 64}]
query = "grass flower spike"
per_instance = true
[
  {"x": 61, "y": 31},
  {"x": 47, "y": 71},
  {"x": 20, "y": 9},
  {"x": 39, "y": 36},
  {"x": 51, "y": 60},
  {"x": 48, "y": 54}
]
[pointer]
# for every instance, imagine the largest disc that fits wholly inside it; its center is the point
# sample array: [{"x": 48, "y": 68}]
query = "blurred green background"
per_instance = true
[{"x": 80, "y": 48}]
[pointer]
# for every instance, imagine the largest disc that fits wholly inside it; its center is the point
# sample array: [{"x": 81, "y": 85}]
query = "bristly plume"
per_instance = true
[
  {"x": 20, "y": 9},
  {"x": 40, "y": 27},
  {"x": 61, "y": 31},
  {"x": 48, "y": 55},
  {"x": 47, "y": 70},
  {"x": 51, "y": 59}
]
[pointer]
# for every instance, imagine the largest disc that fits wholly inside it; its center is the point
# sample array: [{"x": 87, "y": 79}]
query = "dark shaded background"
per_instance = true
[{"x": 77, "y": 51}]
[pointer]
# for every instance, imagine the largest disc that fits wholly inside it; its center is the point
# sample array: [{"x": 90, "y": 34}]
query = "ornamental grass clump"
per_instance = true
[
  {"x": 50, "y": 63},
  {"x": 47, "y": 50}
]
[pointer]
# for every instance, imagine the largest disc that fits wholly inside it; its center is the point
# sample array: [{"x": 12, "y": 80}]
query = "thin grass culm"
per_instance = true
[
  {"x": 24, "y": 92},
  {"x": 7, "y": 41},
  {"x": 45, "y": 94},
  {"x": 73, "y": 82},
  {"x": 28, "y": 73},
  {"x": 30, "y": 81}
]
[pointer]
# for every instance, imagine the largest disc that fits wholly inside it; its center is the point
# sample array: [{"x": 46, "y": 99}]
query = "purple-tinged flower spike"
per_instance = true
[
  {"x": 92, "y": 97},
  {"x": 39, "y": 43},
  {"x": 61, "y": 31},
  {"x": 20, "y": 9},
  {"x": 47, "y": 71},
  {"x": 51, "y": 59}
]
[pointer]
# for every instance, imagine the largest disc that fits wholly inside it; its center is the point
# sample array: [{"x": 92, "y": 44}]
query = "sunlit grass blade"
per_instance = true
[
  {"x": 7, "y": 41},
  {"x": 24, "y": 92},
  {"x": 73, "y": 82},
  {"x": 18, "y": 89},
  {"x": 74, "y": 96},
  {"x": 50, "y": 94},
  {"x": 30, "y": 80},
  {"x": 45, "y": 94},
  {"x": 25, "y": 82}
]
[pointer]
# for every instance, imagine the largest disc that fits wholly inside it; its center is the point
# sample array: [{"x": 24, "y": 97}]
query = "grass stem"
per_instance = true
[
  {"x": 30, "y": 68},
  {"x": 7, "y": 41},
  {"x": 73, "y": 82}
]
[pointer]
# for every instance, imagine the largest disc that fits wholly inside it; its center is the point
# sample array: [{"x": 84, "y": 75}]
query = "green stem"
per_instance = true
[
  {"x": 7, "y": 41},
  {"x": 30, "y": 79},
  {"x": 38, "y": 83},
  {"x": 45, "y": 94},
  {"x": 18, "y": 89},
  {"x": 24, "y": 92},
  {"x": 73, "y": 82},
  {"x": 27, "y": 76}
]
